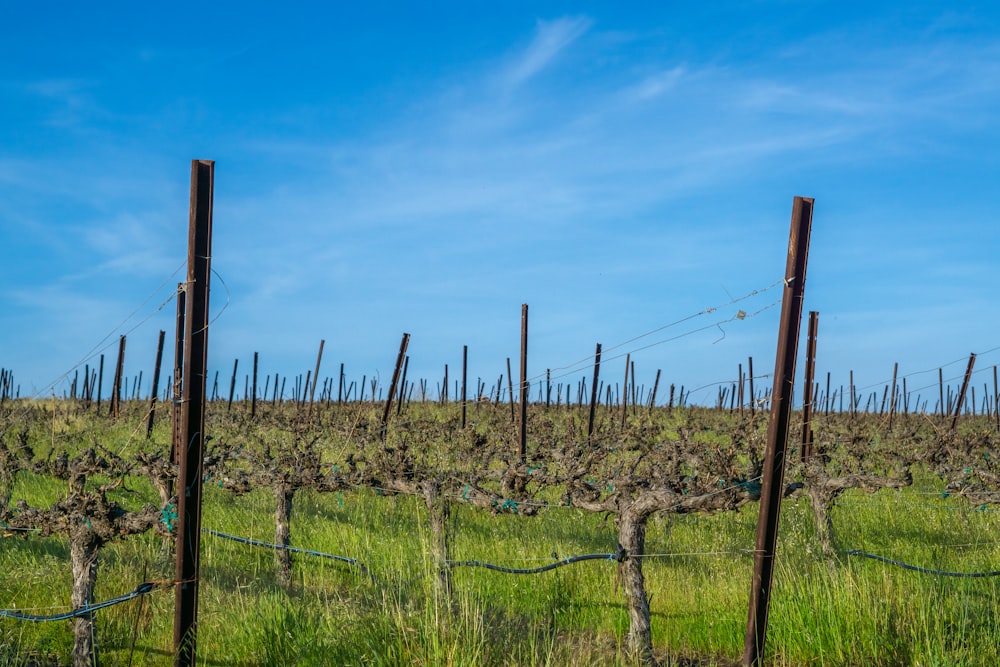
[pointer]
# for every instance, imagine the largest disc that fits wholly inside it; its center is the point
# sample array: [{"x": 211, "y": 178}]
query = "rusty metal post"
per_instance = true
[
  {"x": 253, "y": 388},
  {"x": 177, "y": 439},
  {"x": 100, "y": 384},
  {"x": 656, "y": 385},
  {"x": 340, "y": 385},
  {"x": 156, "y": 384},
  {"x": 548, "y": 388},
  {"x": 628, "y": 358},
  {"x": 193, "y": 413},
  {"x": 402, "y": 386},
  {"x": 852, "y": 405},
  {"x": 961, "y": 394},
  {"x": 116, "y": 386},
  {"x": 893, "y": 394},
  {"x": 392, "y": 385},
  {"x": 996, "y": 399},
  {"x": 523, "y": 430},
  {"x": 805, "y": 451},
  {"x": 465, "y": 372},
  {"x": 777, "y": 430},
  {"x": 312, "y": 392},
  {"x": 738, "y": 397},
  {"x": 941, "y": 390},
  {"x": 510, "y": 391},
  {"x": 232, "y": 385},
  {"x": 593, "y": 392}
]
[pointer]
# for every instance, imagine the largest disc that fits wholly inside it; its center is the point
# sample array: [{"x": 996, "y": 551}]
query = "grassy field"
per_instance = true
[{"x": 848, "y": 611}]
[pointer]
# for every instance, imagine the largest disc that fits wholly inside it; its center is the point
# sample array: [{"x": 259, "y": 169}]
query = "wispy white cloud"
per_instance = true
[
  {"x": 657, "y": 84},
  {"x": 551, "y": 38}
]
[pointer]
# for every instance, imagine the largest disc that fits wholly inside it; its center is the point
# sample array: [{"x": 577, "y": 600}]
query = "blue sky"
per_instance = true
[{"x": 388, "y": 168}]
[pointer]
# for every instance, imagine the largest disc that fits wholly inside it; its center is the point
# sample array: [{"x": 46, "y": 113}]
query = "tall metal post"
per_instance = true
[
  {"x": 777, "y": 429},
  {"x": 523, "y": 435},
  {"x": 192, "y": 412}
]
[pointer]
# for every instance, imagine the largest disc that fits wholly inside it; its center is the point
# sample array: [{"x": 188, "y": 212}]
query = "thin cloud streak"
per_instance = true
[{"x": 551, "y": 37}]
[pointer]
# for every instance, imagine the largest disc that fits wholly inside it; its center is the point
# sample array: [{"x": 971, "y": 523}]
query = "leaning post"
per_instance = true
[{"x": 777, "y": 430}]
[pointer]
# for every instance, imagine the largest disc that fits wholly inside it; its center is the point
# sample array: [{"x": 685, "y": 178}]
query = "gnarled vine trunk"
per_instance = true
[
  {"x": 283, "y": 495},
  {"x": 83, "y": 557},
  {"x": 439, "y": 510},
  {"x": 632, "y": 538}
]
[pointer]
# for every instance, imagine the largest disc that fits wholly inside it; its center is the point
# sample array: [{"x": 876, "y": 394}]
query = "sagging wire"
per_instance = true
[
  {"x": 142, "y": 589},
  {"x": 620, "y": 556},
  {"x": 281, "y": 547},
  {"x": 100, "y": 345},
  {"x": 922, "y": 570},
  {"x": 579, "y": 364}
]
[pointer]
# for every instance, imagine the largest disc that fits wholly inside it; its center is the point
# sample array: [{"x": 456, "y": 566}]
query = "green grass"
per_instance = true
[{"x": 850, "y": 612}]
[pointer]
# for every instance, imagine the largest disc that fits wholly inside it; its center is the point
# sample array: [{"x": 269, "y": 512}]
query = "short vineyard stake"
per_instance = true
[
  {"x": 253, "y": 394},
  {"x": 777, "y": 430},
  {"x": 941, "y": 389},
  {"x": 177, "y": 439},
  {"x": 961, "y": 394},
  {"x": 656, "y": 385},
  {"x": 116, "y": 387},
  {"x": 402, "y": 386},
  {"x": 634, "y": 399},
  {"x": 100, "y": 384},
  {"x": 465, "y": 371},
  {"x": 156, "y": 384},
  {"x": 739, "y": 388},
  {"x": 855, "y": 399},
  {"x": 394, "y": 383},
  {"x": 593, "y": 392},
  {"x": 232, "y": 385},
  {"x": 548, "y": 388},
  {"x": 996, "y": 398},
  {"x": 753, "y": 406},
  {"x": 808, "y": 399},
  {"x": 510, "y": 390},
  {"x": 340, "y": 386},
  {"x": 312, "y": 392},
  {"x": 628, "y": 358},
  {"x": 892, "y": 401}
]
